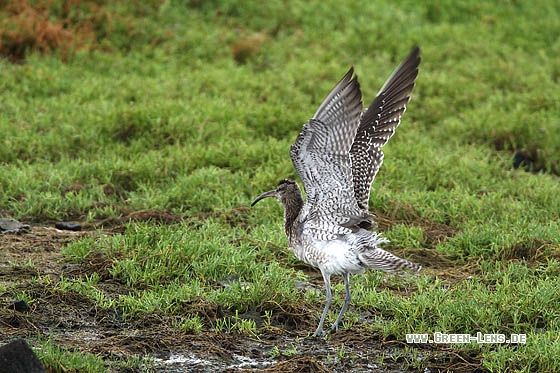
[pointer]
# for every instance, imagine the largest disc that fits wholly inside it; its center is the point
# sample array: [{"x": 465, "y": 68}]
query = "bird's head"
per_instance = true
[{"x": 285, "y": 190}]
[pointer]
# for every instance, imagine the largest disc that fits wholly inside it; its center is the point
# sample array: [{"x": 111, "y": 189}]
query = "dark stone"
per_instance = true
[
  {"x": 18, "y": 357},
  {"x": 68, "y": 226},
  {"x": 14, "y": 322},
  {"x": 13, "y": 226},
  {"x": 521, "y": 158},
  {"x": 19, "y": 305}
]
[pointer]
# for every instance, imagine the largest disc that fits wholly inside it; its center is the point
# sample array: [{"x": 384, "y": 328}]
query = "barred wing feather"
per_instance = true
[{"x": 378, "y": 124}]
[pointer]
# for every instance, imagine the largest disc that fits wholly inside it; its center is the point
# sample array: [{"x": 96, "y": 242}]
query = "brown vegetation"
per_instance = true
[{"x": 50, "y": 25}]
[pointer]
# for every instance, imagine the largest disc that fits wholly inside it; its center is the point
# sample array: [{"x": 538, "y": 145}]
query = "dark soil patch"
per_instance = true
[
  {"x": 24, "y": 256},
  {"x": 434, "y": 234},
  {"x": 238, "y": 217},
  {"x": 96, "y": 262},
  {"x": 404, "y": 213},
  {"x": 530, "y": 250}
]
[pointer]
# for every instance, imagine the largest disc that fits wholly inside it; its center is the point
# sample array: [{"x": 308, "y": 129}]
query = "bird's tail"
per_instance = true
[{"x": 380, "y": 259}]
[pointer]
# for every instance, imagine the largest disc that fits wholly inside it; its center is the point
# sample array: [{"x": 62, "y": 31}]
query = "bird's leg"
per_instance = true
[
  {"x": 319, "y": 332},
  {"x": 347, "y": 299}
]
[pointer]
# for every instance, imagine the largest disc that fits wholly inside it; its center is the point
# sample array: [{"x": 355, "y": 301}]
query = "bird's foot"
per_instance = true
[
  {"x": 334, "y": 328},
  {"x": 319, "y": 333}
]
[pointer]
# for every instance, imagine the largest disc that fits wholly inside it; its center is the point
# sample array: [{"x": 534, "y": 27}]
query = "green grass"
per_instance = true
[
  {"x": 166, "y": 119},
  {"x": 59, "y": 359},
  {"x": 173, "y": 264}
]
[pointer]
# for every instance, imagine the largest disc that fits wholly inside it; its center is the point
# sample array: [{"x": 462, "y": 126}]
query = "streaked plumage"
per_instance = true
[{"x": 337, "y": 155}]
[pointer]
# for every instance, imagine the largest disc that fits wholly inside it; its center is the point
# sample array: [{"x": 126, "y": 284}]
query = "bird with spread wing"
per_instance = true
[{"x": 337, "y": 155}]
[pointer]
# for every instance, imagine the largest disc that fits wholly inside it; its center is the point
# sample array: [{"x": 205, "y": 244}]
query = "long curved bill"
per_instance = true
[{"x": 272, "y": 193}]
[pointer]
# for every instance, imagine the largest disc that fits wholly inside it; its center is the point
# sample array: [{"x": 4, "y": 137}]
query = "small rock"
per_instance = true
[
  {"x": 18, "y": 357},
  {"x": 304, "y": 285},
  {"x": 19, "y": 305},
  {"x": 13, "y": 226},
  {"x": 70, "y": 266},
  {"x": 68, "y": 226},
  {"x": 227, "y": 281},
  {"x": 252, "y": 315}
]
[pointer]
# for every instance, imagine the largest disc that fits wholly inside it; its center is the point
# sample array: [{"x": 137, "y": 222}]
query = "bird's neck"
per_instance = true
[{"x": 292, "y": 208}]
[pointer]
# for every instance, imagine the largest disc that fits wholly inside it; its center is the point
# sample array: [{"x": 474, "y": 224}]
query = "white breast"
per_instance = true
[{"x": 335, "y": 257}]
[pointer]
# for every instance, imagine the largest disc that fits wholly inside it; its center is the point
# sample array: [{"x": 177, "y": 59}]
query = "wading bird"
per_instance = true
[{"x": 337, "y": 155}]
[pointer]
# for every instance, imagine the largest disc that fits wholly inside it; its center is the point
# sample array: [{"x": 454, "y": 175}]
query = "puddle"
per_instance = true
[{"x": 182, "y": 362}]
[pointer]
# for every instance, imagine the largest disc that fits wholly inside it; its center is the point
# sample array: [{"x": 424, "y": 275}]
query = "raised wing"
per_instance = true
[
  {"x": 322, "y": 160},
  {"x": 378, "y": 124}
]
